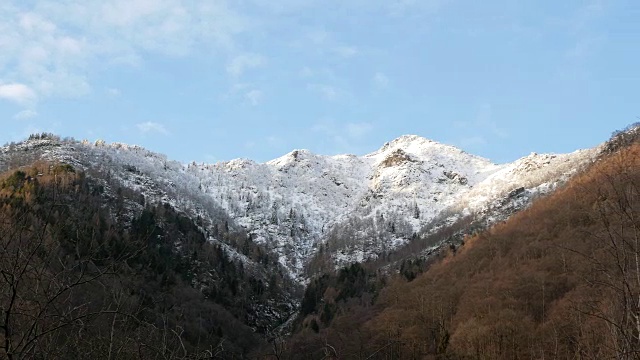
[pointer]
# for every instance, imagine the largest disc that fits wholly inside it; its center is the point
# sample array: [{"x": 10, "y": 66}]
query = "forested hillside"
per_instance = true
[
  {"x": 79, "y": 281},
  {"x": 112, "y": 251},
  {"x": 560, "y": 280}
]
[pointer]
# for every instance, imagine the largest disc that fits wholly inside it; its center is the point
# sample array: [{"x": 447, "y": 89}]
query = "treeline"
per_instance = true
[
  {"x": 560, "y": 280},
  {"x": 76, "y": 283}
]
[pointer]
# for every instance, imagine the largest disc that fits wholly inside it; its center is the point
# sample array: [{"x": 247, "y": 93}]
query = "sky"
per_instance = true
[{"x": 215, "y": 80}]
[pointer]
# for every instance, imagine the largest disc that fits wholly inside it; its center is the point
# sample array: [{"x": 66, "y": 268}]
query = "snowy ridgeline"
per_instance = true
[
  {"x": 364, "y": 206},
  {"x": 295, "y": 205}
]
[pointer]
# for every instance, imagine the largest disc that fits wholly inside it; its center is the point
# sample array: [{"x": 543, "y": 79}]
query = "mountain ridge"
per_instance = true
[
  {"x": 242, "y": 238},
  {"x": 298, "y": 203},
  {"x": 407, "y": 140}
]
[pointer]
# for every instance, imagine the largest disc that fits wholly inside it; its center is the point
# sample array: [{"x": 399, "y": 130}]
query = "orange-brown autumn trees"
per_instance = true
[{"x": 560, "y": 280}]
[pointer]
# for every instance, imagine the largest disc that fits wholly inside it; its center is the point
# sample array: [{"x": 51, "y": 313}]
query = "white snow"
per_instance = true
[{"x": 406, "y": 183}]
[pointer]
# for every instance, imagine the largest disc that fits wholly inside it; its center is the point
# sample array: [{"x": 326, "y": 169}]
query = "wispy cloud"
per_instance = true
[
  {"x": 152, "y": 127},
  {"x": 17, "y": 93},
  {"x": 25, "y": 114},
  {"x": 241, "y": 63},
  {"x": 51, "y": 46},
  {"x": 245, "y": 92}
]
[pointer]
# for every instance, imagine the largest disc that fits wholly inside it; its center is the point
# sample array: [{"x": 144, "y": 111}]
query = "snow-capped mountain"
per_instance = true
[
  {"x": 300, "y": 203},
  {"x": 372, "y": 203}
]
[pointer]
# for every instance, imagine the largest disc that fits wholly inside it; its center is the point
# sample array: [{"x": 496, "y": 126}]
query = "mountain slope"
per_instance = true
[
  {"x": 361, "y": 207},
  {"x": 558, "y": 280},
  {"x": 296, "y": 203},
  {"x": 234, "y": 240},
  {"x": 131, "y": 181},
  {"x": 80, "y": 281}
]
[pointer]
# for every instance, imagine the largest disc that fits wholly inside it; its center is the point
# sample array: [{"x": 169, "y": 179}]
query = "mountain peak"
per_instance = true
[
  {"x": 292, "y": 157},
  {"x": 409, "y": 139},
  {"x": 412, "y": 144},
  {"x": 405, "y": 142}
]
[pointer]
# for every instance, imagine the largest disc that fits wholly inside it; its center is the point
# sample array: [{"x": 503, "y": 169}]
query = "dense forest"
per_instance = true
[
  {"x": 76, "y": 283},
  {"x": 560, "y": 280}
]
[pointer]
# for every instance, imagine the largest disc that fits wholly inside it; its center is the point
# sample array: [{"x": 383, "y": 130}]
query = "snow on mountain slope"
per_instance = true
[
  {"x": 296, "y": 203},
  {"x": 156, "y": 179},
  {"x": 532, "y": 171},
  {"x": 362, "y": 206}
]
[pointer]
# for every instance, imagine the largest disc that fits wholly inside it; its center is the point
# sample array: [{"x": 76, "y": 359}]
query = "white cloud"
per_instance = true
[
  {"x": 246, "y": 92},
  {"x": 52, "y": 46},
  {"x": 18, "y": 93},
  {"x": 170, "y": 27},
  {"x": 254, "y": 96},
  {"x": 25, "y": 114},
  {"x": 150, "y": 127},
  {"x": 241, "y": 63},
  {"x": 40, "y": 54}
]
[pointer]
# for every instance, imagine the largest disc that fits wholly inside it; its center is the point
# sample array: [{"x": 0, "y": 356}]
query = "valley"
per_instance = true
[{"x": 285, "y": 248}]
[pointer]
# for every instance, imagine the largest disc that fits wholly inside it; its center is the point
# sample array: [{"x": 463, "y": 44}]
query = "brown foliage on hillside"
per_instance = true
[{"x": 560, "y": 280}]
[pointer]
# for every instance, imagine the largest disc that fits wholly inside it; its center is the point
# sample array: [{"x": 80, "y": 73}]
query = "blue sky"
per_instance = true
[{"x": 216, "y": 80}]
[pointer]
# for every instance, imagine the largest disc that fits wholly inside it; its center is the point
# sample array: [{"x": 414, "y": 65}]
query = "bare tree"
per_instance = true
[{"x": 49, "y": 288}]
